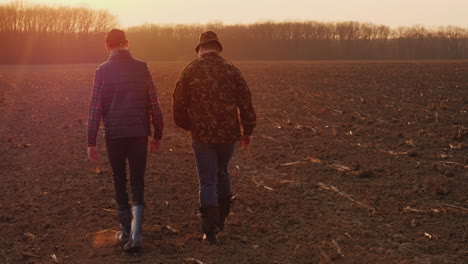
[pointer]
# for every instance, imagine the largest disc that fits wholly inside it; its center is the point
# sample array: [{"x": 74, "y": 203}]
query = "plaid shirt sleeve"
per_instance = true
[
  {"x": 156, "y": 114},
  {"x": 95, "y": 110}
]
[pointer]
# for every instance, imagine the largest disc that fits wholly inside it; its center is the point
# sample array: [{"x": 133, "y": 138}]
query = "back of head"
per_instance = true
[
  {"x": 116, "y": 38},
  {"x": 211, "y": 46},
  {"x": 209, "y": 40}
]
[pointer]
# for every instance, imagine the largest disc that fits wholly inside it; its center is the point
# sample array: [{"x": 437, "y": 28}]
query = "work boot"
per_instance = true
[
  {"x": 210, "y": 221},
  {"x": 224, "y": 210},
  {"x": 125, "y": 219},
  {"x": 134, "y": 241}
]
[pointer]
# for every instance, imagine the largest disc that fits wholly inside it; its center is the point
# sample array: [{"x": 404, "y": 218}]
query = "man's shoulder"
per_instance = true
[
  {"x": 193, "y": 64},
  {"x": 191, "y": 67},
  {"x": 230, "y": 65},
  {"x": 102, "y": 65},
  {"x": 140, "y": 62},
  {"x": 203, "y": 62},
  {"x": 229, "y": 68},
  {"x": 133, "y": 61}
]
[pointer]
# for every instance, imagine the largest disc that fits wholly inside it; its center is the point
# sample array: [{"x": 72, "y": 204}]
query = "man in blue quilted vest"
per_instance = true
[{"x": 124, "y": 97}]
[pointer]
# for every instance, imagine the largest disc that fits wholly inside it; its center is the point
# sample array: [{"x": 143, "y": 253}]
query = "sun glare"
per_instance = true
[{"x": 132, "y": 13}]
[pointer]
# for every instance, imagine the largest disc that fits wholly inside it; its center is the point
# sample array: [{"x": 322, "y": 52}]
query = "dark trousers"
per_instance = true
[
  {"x": 133, "y": 149},
  {"x": 212, "y": 161}
]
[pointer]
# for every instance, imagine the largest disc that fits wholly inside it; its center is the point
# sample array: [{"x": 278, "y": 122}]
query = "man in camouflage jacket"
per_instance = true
[{"x": 212, "y": 101}]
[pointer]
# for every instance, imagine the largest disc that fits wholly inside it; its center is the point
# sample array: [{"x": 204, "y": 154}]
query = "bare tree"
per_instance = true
[{"x": 39, "y": 31}]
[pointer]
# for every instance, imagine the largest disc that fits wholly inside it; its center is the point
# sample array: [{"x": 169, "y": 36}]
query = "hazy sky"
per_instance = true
[{"x": 389, "y": 12}]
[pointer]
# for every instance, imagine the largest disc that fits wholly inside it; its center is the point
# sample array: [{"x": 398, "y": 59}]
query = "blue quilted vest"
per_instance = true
[{"x": 125, "y": 99}]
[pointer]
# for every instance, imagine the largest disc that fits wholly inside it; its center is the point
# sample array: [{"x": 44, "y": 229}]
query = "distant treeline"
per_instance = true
[
  {"x": 52, "y": 34},
  {"x": 304, "y": 41},
  {"x": 55, "y": 34}
]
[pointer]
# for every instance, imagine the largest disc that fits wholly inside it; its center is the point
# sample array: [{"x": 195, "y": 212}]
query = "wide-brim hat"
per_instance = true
[{"x": 207, "y": 37}]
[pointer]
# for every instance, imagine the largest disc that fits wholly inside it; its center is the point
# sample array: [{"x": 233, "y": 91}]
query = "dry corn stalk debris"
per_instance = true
[
  {"x": 454, "y": 163},
  {"x": 366, "y": 197},
  {"x": 292, "y": 163},
  {"x": 410, "y": 143},
  {"x": 396, "y": 153},
  {"x": 303, "y": 161},
  {"x": 171, "y": 229},
  {"x": 444, "y": 209},
  {"x": 55, "y": 258},
  {"x": 456, "y": 207},
  {"x": 458, "y": 146},
  {"x": 408, "y": 209},
  {"x": 338, "y": 248},
  {"x": 340, "y": 167},
  {"x": 325, "y": 256},
  {"x": 26, "y": 254},
  {"x": 277, "y": 125},
  {"x": 345, "y": 195},
  {"x": 270, "y": 138},
  {"x": 288, "y": 181},
  {"x": 109, "y": 210},
  {"x": 193, "y": 260},
  {"x": 260, "y": 184}
]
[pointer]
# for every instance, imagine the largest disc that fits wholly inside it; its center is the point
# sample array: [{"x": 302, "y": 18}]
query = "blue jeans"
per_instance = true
[
  {"x": 133, "y": 149},
  {"x": 212, "y": 161}
]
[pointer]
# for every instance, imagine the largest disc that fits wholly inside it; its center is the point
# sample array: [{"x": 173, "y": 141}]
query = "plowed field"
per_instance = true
[{"x": 352, "y": 162}]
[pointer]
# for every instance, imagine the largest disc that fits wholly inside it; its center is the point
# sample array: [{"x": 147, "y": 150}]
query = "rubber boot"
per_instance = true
[
  {"x": 210, "y": 222},
  {"x": 125, "y": 219},
  {"x": 134, "y": 241},
  {"x": 224, "y": 211}
]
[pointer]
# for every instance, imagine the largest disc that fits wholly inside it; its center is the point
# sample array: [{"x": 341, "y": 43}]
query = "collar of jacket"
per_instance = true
[
  {"x": 210, "y": 54},
  {"x": 119, "y": 54}
]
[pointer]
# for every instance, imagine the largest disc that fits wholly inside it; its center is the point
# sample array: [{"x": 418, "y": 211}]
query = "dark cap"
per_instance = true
[
  {"x": 206, "y": 37},
  {"x": 116, "y": 38}
]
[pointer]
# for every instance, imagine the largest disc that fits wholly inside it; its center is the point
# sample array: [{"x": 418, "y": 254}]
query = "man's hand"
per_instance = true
[
  {"x": 93, "y": 154},
  {"x": 155, "y": 145},
  {"x": 246, "y": 141}
]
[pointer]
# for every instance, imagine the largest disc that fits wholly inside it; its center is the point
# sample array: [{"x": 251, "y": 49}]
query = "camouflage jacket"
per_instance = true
[{"x": 212, "y": 101}]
